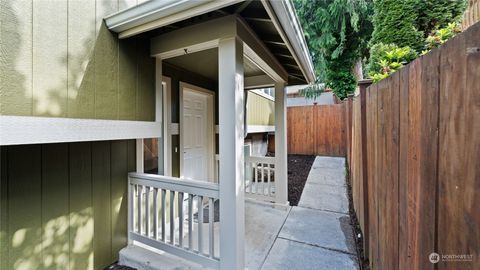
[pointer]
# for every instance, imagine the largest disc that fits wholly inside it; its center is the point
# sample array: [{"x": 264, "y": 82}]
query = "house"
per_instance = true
[
  {"x": 84, "y": 86},
  {"x": 294, "y": 99},
  {"x": 260, "y": 127}
]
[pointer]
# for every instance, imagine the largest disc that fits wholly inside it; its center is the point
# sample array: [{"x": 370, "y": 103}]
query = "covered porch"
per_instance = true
[
  {"x": 262, "y": 226},
  {"x": 225, "y": 206}
]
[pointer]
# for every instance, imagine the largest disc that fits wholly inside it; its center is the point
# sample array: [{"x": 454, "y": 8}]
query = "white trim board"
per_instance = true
[
  {"x": 167, "y": 122},
  {"x": 16, "y": 130},
  {"x": 262, "y": 94},
  {"x": 260, "y": 129}
]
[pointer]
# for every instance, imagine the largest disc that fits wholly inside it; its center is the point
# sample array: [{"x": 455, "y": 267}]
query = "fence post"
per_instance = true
[{"x": 363, "y": 85}]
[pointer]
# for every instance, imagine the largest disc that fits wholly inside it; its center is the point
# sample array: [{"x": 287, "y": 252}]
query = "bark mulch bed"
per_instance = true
[
  {"x": 298, "y": 168},
  {"x": 363, "y": 262}
]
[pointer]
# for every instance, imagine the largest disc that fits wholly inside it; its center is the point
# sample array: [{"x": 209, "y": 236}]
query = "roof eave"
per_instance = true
[
  {"x": 287, "y": 20},
  {"x": 154, "y": 14}
]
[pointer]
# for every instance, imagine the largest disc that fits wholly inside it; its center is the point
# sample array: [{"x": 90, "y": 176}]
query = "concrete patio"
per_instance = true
[{"x": 314, "y": 235}]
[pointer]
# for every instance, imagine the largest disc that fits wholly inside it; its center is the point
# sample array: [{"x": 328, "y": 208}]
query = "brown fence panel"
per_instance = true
[
  {"x": 421, "y": 160},
  {"x": 300, "y": 130},
  {"x": 316, "y": 130},
  {"x": 459, "y": 150},
  {"x": 329, "y": 130}
]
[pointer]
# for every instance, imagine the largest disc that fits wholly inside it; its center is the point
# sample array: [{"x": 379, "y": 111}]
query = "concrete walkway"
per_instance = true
[{"x": 317, "y": 233}]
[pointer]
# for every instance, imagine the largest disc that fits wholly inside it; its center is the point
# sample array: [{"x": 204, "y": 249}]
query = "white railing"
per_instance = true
[
  {"x": 260, "y": 178},
  {"x": 161, "y": 215}
]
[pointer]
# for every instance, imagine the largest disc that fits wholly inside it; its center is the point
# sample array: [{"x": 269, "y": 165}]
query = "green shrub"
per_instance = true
[
  {"x": 394, "y": 22},
  {"x": 433, "y": 14},
  {"x": 440, "y": 36},
  {"x": 388, "y": 58}
]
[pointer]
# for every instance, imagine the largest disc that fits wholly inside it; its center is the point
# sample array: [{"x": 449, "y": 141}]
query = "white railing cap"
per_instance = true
[{"x": 195, "y": 187}]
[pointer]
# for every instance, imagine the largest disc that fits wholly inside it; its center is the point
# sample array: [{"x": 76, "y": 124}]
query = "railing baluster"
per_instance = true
[
  {"x": 269, "y": 185},
  {"x": 262, "y": 182},
  {"x": 255, "y": 171},
  {"x": 158, "y": 193},
  {"x": 155, "y": 213},
  {"x": 263, "y": 177},
  {"x": 147, "y": 211},
  {"x": 200, "y": 224},
  {"x": 139, "y": 208},
  {"x": 211, "y": 220},
  {"x": 172, "y": 217},
  {"x": 190, "y": 221},
  {"x": 130, "y": 209},
  {"x": 180, "y": 219},
  {"x": 164, "y": 204}
]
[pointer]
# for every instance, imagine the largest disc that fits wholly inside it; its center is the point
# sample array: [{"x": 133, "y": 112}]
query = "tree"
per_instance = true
[
  {"x": 433, "y": 14},
  {"x": 395, "y": 23},
  {"x": 337, "y": 33}
]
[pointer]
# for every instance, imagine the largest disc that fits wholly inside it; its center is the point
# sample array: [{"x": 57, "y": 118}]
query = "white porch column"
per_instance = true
[
  {"x": 281, "y": 171},
  {"x": 159, "y": 112},
  {"x": 231, "y": 178}
]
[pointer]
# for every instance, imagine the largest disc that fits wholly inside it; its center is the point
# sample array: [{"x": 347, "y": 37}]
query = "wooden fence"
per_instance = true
[
  {"x": 472, "y": 14},
  {"x": 415, "y": 160},
  {"x": 317, "y": 130}
]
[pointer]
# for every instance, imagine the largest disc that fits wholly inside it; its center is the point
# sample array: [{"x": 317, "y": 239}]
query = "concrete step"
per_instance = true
[{"x": 146, "y": 258}]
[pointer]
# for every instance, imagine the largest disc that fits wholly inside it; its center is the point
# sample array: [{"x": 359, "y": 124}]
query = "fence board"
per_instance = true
[
  {"x": 371, "y": 111},
  {"x": 403, "y": 169}
]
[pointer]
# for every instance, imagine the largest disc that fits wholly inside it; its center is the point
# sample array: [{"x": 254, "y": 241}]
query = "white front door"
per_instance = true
[{"x": 195, "y": 135}]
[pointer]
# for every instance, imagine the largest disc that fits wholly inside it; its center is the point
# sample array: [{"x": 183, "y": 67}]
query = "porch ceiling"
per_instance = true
[
  {"x": 259, "y": 17},
  {"x": 205, "y": 63}
]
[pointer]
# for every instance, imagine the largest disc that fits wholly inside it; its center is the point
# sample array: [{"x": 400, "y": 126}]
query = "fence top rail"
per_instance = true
[
  {"x": 195, "y": 187},
  {"x": 258, "y": 159}
]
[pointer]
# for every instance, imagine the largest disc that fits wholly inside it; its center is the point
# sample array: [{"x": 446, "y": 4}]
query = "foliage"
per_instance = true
[
  {"x": 404, "y": 25},
  {"x": 312, "y": 91},
  {"x": 433, "y": 14},
  {"x": 440, "y": 36},
  {"x": 337, "y": 33},
  {"x": 342, "y": 81},
  {"x": 395, "y": 23},
  {"x": 388, "y": 58}
]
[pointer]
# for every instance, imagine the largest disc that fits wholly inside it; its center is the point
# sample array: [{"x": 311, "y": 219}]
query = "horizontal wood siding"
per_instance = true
[
  {"x": 58, "y": 59},
  {"x": 260, "y": 110},
  {"x": 63, "y": 206},
  {"x": 422, "y": 160}
]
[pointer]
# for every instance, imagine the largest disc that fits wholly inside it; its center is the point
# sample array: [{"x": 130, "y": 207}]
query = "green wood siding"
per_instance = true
[
  {"x": 64, "y": 206},
  {"x": 58, "y": 59},
  {"x": 260, "y": 110}
]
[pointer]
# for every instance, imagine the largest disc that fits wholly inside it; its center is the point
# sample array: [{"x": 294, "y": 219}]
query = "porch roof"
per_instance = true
[{"x": 274, "y": 22}]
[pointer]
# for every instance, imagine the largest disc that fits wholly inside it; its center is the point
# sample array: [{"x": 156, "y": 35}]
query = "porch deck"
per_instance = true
[
  {"x": 262, "y": 226},
  {"x": 317, "y": 234}
]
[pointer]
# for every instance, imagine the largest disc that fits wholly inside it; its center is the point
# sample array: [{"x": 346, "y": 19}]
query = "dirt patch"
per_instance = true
[
  {"x": 363, "y": 262},
  {"x": 298, "y": 168}
]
